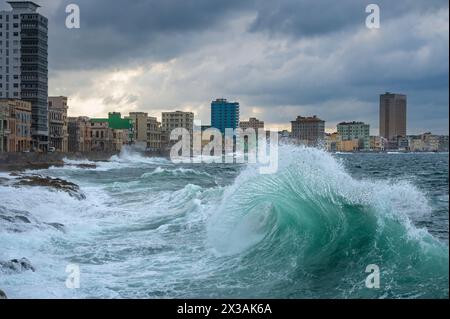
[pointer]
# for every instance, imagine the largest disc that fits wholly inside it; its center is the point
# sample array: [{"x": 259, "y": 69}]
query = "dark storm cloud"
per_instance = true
[
  {"x": 121, "y": 31},
  {"x": 303, "y": 18}
]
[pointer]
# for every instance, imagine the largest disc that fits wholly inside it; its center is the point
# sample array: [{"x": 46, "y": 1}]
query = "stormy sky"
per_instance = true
[{"x": 279, "y": 59}]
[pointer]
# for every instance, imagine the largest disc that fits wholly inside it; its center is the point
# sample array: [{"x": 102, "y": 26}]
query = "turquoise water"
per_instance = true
[{"x": 151, "y": 229}]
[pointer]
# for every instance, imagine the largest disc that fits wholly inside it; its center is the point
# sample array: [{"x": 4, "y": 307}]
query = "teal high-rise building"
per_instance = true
[{"x": 224, "y": 115}]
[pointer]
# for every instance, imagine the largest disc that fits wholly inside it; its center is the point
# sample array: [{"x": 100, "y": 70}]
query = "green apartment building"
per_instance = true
[{"x": 355, "y": 131}]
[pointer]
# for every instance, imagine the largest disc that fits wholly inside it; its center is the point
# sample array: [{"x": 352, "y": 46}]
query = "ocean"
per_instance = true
[{"x": 141, "y": 227}]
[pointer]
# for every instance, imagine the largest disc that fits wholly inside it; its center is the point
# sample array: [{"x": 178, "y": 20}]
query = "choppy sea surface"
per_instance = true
[{"x": 148, "y": 228}]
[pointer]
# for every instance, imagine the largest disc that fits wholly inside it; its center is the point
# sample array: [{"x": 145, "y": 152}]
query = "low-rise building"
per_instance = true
[
  {"x": 110, "y": 134},
  {"x": 79, "y": 130},
  {"x": 57, "y": 123},
  {"x": 333, "y": 142},
  {"x": 253, "y": 123},
  {"x": 15, "y": 128},
  {"x": 153, "y": 134},
  {"x": 378, "y": 143}
]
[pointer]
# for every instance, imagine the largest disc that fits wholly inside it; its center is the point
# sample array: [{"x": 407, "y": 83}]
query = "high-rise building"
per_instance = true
[
  {"x": 24, "y": 66},
  {"x": 392, "y": 115},
  {"x": 57, "y": 123},
  {"x": 357, "y": 131},
  {"x": 308, "y": 130},
  {"x": 139, "y": 120},
  {"x": 224, "y": 115}
]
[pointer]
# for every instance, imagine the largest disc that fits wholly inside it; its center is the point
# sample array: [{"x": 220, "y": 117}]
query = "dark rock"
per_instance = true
[
  {"x": 54, "y": 183},
  {"x": 23, "y": 219},
  {"x": 85, "y": 166},
  {"x": 57, "y": 226},
  {"x": 2, "y": 295},
  {"x": 17, "y": 265}
]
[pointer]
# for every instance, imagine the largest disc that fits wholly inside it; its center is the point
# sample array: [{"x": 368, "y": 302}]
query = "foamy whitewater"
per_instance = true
[{"x": 148, "y": 228}]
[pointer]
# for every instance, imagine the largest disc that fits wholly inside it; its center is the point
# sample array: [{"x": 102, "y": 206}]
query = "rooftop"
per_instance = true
[{"x": 24, "y": 5}]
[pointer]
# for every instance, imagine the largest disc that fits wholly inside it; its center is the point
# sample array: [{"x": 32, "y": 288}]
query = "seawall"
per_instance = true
[{"x": 20, "y": 161}]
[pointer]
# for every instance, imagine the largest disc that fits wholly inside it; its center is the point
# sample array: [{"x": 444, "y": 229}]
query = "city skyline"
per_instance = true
[{"x": 276, "y": 71}]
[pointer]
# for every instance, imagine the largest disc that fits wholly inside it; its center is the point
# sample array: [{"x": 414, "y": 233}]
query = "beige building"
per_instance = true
[
  {"x": 57, "y": 119},
  {"x": 173, "y": 120},
  {"x": 377, "y": 143},
  {"x": 79, "y": 130},
  {"x": 139, "y": 121},
  {"x": 153, "y": 134},
  {"x": 253, "y": 123},
  {"x": 392, "y": 115},
  {"x": 15, "y": 126},
  {"x": 308, "y": 130}
]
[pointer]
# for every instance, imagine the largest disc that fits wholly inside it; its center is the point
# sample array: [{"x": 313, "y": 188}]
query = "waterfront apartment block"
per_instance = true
[
  {"x": 308, "y": 130},
  {"x": 57, "y": 123},
  {"x": 23, "y": 63},
  {"x": 177, "y": 119},
  {"x": 139, "y": 122},
  {"x": 15, "y": 125},
  {"x": 393, "y": 115},
  {"x": 253, "y": 123},
  {"x": 224, "y": 114},
  {"x": 80, "y": 136},
  {"x": 153, "y": 134},
  {"x": 355, "y": 131}
]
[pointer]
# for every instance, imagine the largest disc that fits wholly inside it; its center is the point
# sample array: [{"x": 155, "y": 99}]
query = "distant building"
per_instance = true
[
  {"x": 224, "y": 114},
  {"x": 139, "y": 121},
  {"x": 80, "y": 136},
  {"x": 177, "y": 119},
  {"x": 428, "y": 142},
  {"x": 392, "y": 115},
  {"x": 24, "y": 66},
  {"x": 308, "y": 130},
  {"x": 110, "y": 134},
  {"x": 15, "y": 125},
  {"x": 378, "y": 143},
  {"x": 253, "y": 123},
  {"x": 350, "y": 131},
  {"x": 57, "y": 119},
  {"x": 153, "y": 134},
  {"x": 333, "y": 142}
]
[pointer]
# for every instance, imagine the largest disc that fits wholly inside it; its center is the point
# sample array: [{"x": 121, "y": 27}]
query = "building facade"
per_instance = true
[
  {"x": 308, "y": 130},
  {"x": 139, "y": 122},
  {"x": 15, "y": 128},
  {"x": 57, "y": 119},
  {"x": 177, "y": 119},
  {"x": 393, "y": 115},
  {"x": 224, "y": 114},
  {"x": 350, "y": 131},
  {"x": 153, "y": 134},
  {"x": 80, "y": 136},
  {"x": 23, "y": 63},
  {"x": 110, "y": 134},
  {"x": 253, "y": 123}
]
